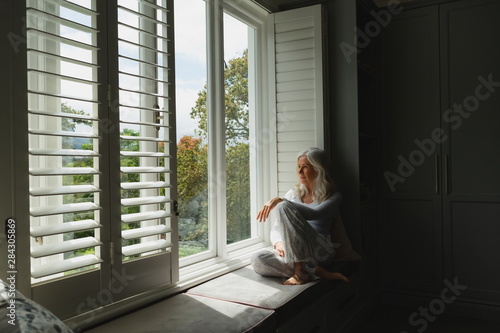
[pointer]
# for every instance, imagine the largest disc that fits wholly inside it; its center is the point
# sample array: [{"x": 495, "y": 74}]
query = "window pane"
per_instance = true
[
  {"x": 191, "y": 113},
  {"x": 236, "y": 85}
]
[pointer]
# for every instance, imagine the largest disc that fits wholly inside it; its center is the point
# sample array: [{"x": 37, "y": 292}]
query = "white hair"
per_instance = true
[{"x": 324, "y": 186}]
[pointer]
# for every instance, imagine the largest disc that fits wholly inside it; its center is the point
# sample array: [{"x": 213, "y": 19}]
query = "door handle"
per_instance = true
[
  {"x": 436, "y": 172},
  {"x": 446, "y": 182}
]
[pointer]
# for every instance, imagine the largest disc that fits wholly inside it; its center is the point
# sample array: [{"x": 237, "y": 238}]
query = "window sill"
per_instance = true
[
  {"x": 190, "y": 276},
  {"x": 208, "y": 269}
]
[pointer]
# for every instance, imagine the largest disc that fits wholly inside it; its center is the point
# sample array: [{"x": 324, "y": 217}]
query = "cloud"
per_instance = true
[
  {"x": 185, "y": 100},
  {"x": 235, "y": 37},
  {"x": 190, "y": 29}
]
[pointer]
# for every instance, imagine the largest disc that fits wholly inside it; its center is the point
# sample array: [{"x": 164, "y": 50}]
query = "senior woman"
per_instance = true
[{"x": 301, "y": 233}]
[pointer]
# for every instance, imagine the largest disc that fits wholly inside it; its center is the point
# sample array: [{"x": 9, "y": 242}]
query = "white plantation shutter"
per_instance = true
[
  {"x": 63, "y": 137},
  {"x": 299, "y": 87},
  {"x": 101, "y": 151},
  {"x": 147, "y": 140}
]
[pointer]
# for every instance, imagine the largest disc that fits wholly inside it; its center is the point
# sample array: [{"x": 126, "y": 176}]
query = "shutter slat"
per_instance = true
[
  {"x": 142, "y": 138},
  {"x": 62, "y": 96},
  {"x": 63, "y": 115},
  {"x": 64, "y": 152},
  {"x": 295, "y": 96},
  {"x": 63, "y": 209},
  {"x": 295, "y": 136},
  {"x": 140, "y": 92},
  {"x": 144, "y": 62},
  {"x": 151, "y": 5},
  {"x": 148, "y": 78},
  {"x": 145, "y": 108},
  {"x": 144, "y": 232},
  {"x": 145, "y": 170},
  {"x": 140, "y": 46},
  {"x": 34, "y": 12},
  {"x": 64, "y": 133},
  {"x": 295, "y": 86},
  {"x": 295, "y": 45},
  {"x": 58, "y": 190},
  {"x": 62, "y": 228},
  {"x": 294, "y": 35},
  {"x": 63, "y": 171},
  {"x": 66, "y": 246},
  {"x": 129, "y": 202},
  {"x": 64, "y": 265},
  {"x": 144, "y": 154},
  {"x": 73, "y": 6},
  {"x": 142, "y": 31},
  {"x": 62, "y": 77},
  {"x": 144, "y": 185},
  {"x": 142, "y": 16},
  {"x": 135, "y": 249},
  {"x": 285, "y": 107},
  {"x": 54, "y": 57},
  {"x": 146, "y": 216},
  {"x": 145, "y": 123},
  {"x": 58, "y": 39}
]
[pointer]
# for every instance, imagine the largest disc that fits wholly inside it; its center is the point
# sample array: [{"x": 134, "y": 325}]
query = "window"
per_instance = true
[
  {"x": 216, "y": 98},
  {"x": 103, "y": 134}
]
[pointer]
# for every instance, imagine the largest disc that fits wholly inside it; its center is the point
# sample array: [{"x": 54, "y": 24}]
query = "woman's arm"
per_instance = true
[
  {"x": 326, "y": 209},
  {"x": 276, "y": 234}
]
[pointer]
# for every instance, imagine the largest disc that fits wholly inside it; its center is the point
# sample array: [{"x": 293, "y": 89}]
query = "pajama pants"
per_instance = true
[{"x": 301, "y": 244}]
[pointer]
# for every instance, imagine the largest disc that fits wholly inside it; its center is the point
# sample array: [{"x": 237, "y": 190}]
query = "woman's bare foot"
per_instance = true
[
  {"x": 300, "y": 276},
  {"x": 324, "y": 274},
  {"x": 296, "y": 280}
]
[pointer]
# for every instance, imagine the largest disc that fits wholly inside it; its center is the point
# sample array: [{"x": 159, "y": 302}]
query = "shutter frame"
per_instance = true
[{"x": 298, "y": 59}]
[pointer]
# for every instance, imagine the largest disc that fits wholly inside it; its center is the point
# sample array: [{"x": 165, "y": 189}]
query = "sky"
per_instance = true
[{"x": 190, "y": 56}]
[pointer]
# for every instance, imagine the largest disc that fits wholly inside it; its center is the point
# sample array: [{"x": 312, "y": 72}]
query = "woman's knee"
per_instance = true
[
  {"x": 259, "y": 260},
  {"x": 285, "y": 204}
]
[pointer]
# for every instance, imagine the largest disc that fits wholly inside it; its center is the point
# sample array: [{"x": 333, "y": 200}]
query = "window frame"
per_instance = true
[{"x": 260, "y": 125}]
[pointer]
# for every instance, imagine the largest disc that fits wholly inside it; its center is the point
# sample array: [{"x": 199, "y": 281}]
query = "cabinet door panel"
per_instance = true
[
  {"x": 476, "y": 249},
  {"x": 410, "y": 246},
  {"x": 410, "y": 100},
  {"x": 471, "y": 103},
  {"x": 410, "y": 219},
  {"x": 470, "y": 75}
]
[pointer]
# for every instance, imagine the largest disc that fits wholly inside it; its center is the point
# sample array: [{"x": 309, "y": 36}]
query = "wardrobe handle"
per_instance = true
[
  {"x": 436, "y": 173},
  {"x": 446, "y": 174}
]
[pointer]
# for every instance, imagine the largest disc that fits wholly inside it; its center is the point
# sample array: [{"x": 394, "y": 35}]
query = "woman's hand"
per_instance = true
[
  {"x": 267, "y": 208},
  {"x": 279, "y": 248}
]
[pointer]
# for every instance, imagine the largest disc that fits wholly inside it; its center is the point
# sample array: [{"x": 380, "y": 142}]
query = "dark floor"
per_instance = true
[{"x": 387, "y": 319}]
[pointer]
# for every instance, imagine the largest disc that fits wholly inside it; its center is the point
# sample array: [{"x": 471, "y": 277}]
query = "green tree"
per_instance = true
[
  {"x": 237, "y": 192},
  {"x": 192, "y": 178},
  {"x": 192, "y": 151},
  {"x": 236, "y": 101}
]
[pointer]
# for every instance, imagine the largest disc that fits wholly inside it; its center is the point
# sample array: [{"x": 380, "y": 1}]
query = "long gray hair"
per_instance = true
[{"x": 324, "y": 186}]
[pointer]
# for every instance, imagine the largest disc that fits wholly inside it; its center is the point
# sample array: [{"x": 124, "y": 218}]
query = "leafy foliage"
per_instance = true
[
  {"x": 192, "y": 162},
  {"x": 236, "y": 102}
]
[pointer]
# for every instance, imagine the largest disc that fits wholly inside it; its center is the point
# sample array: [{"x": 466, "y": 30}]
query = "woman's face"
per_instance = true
[{"x": 306, "y": 172}]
